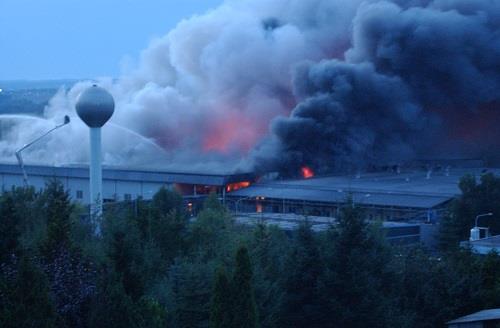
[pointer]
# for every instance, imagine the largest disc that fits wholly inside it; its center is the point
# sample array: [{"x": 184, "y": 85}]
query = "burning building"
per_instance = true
[
  {"x": 407, "y": 196},
  {"x": 303, "y": 88},
  {"x": 125, "y": 183}
]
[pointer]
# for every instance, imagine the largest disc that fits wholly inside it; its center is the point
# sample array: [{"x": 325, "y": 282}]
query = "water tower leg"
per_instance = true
[{"x": 95, "y": 176}]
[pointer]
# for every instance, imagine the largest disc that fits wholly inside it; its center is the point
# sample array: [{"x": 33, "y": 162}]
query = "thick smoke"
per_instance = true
[
  {"x": 420, "y": 79},
  {"x": 350, "y": 115},
  {"x": 277, "y": 84}
]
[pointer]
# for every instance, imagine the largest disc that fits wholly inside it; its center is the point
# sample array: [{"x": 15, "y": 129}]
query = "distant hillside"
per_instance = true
[
  {"x": 29, "y": 101},
  {"x": 12, "y": 85},
  {"x": 29, "y": 97}
]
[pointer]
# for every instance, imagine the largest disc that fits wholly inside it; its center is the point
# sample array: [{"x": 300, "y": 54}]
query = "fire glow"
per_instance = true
[
  {"x": 238, "y": 185},
  {"x": 230, "y": 131},
  {"x": 307, "y": 172}
]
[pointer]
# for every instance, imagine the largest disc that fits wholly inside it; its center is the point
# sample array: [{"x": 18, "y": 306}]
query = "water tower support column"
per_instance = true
[{"x": 95, "y": 173}]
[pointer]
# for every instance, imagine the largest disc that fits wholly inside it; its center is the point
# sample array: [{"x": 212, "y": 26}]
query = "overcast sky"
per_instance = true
[{"x": 51, "y": 39}]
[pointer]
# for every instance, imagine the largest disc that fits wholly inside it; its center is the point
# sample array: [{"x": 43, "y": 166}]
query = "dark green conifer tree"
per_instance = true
[
  {"x": 211, "y": 233},
  {"x": 169, "y": 233},
  {"x": 243, "y": 302},
  {"x": 152, "y": 313},
  {"x": 267, "y": 246},
  {"x": 490, "y": 280},
  {"x": 301, "y": 302},
  {"x": 26, "y": 300},
  {"x": 125, "y": 259},
  {"x": 57, "y": 210},
  {"x": 221, "y": 311},
  {"x": 9, "y": 230},
  {"x": 113, "y": 307},
  {"x": 191, "y": 285},
  {"x": 166, "y": 201},
  {"x": 357, "y": 283}
]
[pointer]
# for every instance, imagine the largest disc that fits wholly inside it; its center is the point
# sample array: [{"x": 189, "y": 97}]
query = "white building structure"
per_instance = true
[{"x": 120, "y": 183}]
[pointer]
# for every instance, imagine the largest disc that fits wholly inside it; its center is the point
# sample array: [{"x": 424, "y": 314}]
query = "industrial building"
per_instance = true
[
  {"x": 408, "y": 202},
  {"x": 123, "y": 184},
  {"x": 411, "y": 196},
  {"x": 483, "y": 246}
]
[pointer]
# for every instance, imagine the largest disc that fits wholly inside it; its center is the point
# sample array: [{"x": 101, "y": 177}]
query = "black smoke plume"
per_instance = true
[{"x": 420, "y": 79}]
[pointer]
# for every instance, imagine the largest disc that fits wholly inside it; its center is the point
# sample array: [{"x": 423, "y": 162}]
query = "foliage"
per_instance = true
[
  {"x": 357, "y": 272},
  {"x": 243, "y": 302},
  {"x": 9, "y": 230},
  {"x": 190, "y": 292},
  {"x": 477, "y": 198},
  {"x": 220, "y": 314},
  {"x": 25, "y": 298},
  {"x": 267, "y": 246},
  {"x": 301, "y": 303},
  {"x": 233, "y": 303},
  {"x": 166, "y": 201},
  {"x": 72, "y": 282},
  {"x": 57, "y": 208},
  {"x": 152, "y": 267},
  {"x": 213, "y": 234},
  {"x": 152, "y": 313},
  {"x": 125, "y": 260},
  {"x": 113, "y": 307},
  {"x": 169, "y": 233}
]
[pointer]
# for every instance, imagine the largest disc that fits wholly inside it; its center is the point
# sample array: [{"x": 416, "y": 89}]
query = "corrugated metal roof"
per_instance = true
[
  {"x": 444, "y": 182},
  {"x": 484, "y": 315},
  {"x": 490, "y": 241},
  {"x": 413, "y": 189},
  {"x": 125, "y": 174},
  {"x": 340, "y": 196}
]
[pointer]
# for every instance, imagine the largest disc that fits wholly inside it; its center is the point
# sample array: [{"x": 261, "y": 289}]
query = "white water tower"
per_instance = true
[{"x": 95, "y": 106}]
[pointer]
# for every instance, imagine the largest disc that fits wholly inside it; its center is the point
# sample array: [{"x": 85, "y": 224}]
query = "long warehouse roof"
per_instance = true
[
  {"x": 414, "y": 189},
  {"x": 126, "y": 174},
  {"x": 333, "y": 196}
]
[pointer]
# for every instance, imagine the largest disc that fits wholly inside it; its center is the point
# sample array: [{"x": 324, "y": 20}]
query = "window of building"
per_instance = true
[
  {"x": 127, "y": 196},
  {"x": 79, "y": 194}
]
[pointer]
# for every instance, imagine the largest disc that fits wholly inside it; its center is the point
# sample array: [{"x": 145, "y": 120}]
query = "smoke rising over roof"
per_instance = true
[{"x": 277, "y": 84}]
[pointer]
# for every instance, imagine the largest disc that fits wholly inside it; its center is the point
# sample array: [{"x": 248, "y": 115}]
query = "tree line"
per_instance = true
[{"x": 153, "y": 266}]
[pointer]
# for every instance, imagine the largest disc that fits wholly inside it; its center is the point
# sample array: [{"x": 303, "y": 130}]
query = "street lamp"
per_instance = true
[
  {"x": 482, "y": 215},
  {"x": 18, "y": 152},
  {"x": 475, "y": 233}
]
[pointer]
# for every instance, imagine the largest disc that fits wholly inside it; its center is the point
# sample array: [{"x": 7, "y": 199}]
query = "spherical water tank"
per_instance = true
[{"x": 95, "y": 106}]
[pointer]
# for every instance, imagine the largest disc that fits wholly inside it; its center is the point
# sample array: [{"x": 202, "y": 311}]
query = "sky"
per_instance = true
[{"x": 58, "y": 39}]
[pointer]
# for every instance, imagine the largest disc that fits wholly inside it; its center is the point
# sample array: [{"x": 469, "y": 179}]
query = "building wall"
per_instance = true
[
  {"x": 78, "y": 188},
  {"x": 269, "y": 205}
]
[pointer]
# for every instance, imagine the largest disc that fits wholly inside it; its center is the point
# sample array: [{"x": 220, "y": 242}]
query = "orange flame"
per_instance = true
[
  {"x": 307, "y": 172},
  {"x": 238, "y": 185}
]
